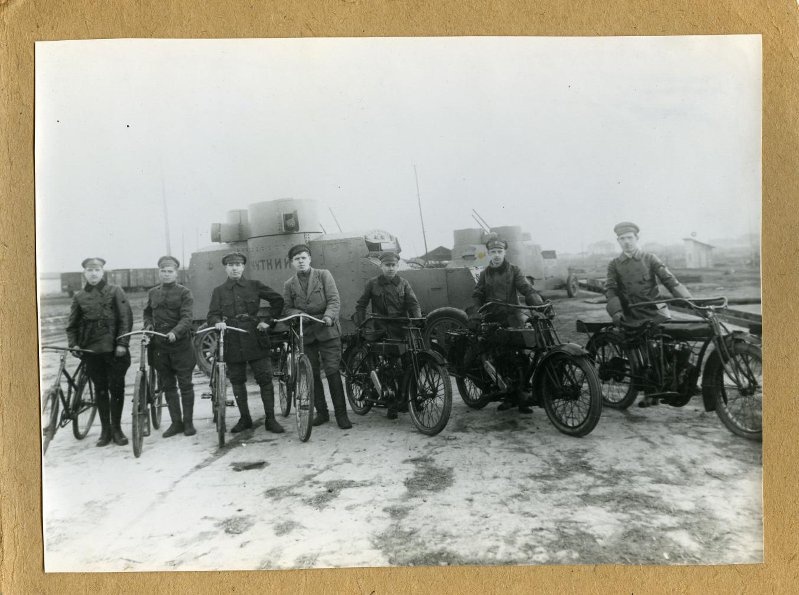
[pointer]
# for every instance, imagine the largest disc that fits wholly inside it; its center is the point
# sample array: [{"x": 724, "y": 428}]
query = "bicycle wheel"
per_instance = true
[
  {"x": 50, "y": 403},
  {"x": 304, "y": 396},
  {"x": 613, "y": 369},
  {"x": 285, "y": 385},
  {"x": 571, "y": 393},
  {"x": 83, "y": 406},
  {"x": 139, "y": 412},
  {"x": 219, "y": 391},
  {"x": 429, "y": 395},
  {"x": 737, "y": 389},
  {"x": 155, "y": 398},
  {"x": 358, "y": 383}
]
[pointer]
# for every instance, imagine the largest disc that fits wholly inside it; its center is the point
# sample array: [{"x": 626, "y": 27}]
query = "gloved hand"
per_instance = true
[{"x": 618, "y": 318}]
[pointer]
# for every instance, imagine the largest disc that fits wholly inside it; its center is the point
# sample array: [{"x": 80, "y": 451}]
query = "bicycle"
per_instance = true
[
  {"x": 382, "y": 371},
  {"x": 79, "y": 405},
  {"x": 664, "y": 359},
  {"x": 146, "y": 394},
  {"x": 219, "y": 400},
  {"x": 295, "y": 375}
]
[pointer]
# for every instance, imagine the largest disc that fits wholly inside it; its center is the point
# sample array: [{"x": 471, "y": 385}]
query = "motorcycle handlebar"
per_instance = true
[{"x": 695, "y": 303}]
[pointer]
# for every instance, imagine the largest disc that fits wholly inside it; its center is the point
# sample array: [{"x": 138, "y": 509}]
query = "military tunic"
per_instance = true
[
  {"x": 318, "y": 296},
  {"x": 237, "y": 303},
  {"x": 99, "y": 314},
  {"x": 169, "y": 310},
  {"x": 389, "y": 297},
  {"x": 503, "y": 284},
  {"x": 633, "y": 279}
]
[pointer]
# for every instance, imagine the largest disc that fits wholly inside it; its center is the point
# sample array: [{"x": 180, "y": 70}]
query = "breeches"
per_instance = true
[
  {"x": 329, "y": 352},
  {"x": 175, "y": 367},
  {"x": 108, "y": 373},
  {"x": 261, "y": 371}
]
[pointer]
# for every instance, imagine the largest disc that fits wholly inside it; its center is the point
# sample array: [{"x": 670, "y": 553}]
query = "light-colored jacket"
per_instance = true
[{"x": 320, "y": 300}]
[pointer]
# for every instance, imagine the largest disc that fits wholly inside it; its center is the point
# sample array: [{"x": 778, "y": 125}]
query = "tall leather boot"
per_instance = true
[
  {"x": 117, "y": 403},
  {"x": 188, "y": 413},
  {"x": 173, "y": 404},
  {"x": 245, "y": 421},
  {"x": 268, "y": 399},
  {"x": 339, "y": 400},
  {"x": 320, "y": 403},
  {"x": 105, "y": 418}
]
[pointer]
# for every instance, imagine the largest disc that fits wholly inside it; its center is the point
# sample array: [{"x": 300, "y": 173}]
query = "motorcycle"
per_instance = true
[
  {"x": 492, "y": 362},
  {"x": 664, "y": 360}
]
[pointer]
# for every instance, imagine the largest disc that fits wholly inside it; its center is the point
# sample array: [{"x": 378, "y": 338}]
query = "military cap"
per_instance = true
[
  {"x": 166, "y": 261},
  {"x": 234, "y": 257},
  {"x": 298, "y": 249},
  {"x": 95, "y": 260},
  {"x": 625, "y": 227},
  {"x": 388, "y": 257},
  {"x": 494, "y": 241}
]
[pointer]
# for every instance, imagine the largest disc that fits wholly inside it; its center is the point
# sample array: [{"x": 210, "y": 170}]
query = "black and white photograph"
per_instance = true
[{"x": 420, "y": 301}]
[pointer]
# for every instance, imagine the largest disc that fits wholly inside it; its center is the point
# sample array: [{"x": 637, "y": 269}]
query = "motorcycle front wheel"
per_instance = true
[{"x": 572, "y": 395}]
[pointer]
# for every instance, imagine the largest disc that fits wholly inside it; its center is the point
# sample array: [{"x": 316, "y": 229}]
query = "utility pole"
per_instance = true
[{"x": 421, "y": 217}]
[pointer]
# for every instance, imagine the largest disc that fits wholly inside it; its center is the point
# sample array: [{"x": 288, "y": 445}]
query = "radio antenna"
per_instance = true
[
  {"x": 421, "y": 217},
  {"x": 334, "y": 219},
  {"x": 480, "y": 223},
  {"x": 476, "y": 214}
]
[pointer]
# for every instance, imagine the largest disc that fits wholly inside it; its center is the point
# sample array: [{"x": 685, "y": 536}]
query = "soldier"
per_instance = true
[
  {"x": 390, "y": 295},
  {"x": 633, "y": 277},
  {"x": 502, "y": 281},
  {"x": 99, "y": 314},
  {"x": 237, "y": 301},
  {"x": 314, "y": 292},
  {"x": 169, "y": 311}
]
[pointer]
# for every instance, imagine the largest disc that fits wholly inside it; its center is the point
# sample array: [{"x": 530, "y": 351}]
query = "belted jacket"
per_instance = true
[
  {"x": 237, "y": 302},
  {"x": 503, "y": 284},
  {"x": 633, "y": 279},
  {"x": 318, "y": 298},
  {"x": 389, "y": 297},
  {"x": 169, "y": 310},
  {"x": 98, "y": 315}
]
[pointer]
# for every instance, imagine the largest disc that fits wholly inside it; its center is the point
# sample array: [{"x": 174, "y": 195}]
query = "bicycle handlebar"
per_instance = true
[
  {"x": 409, "y": 319},
  {"x": 59, "y": 348},
  {"x": 721, "y": 302},
  {"x": 142, "y": 332},
  {"x": 300, "y": 315},
  {"x": 227, "y": 328}
]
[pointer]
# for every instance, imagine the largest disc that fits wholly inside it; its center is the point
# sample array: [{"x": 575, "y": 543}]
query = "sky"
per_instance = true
[{"x": 563, "y": 136}]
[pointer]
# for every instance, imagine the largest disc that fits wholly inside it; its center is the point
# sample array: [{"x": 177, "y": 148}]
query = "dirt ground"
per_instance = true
[{"x": 647, "y": 486}]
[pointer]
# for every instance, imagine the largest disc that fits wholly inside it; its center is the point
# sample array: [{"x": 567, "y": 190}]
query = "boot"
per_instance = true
[
  {"x": 245, "y": 421},
  {"x": 524, "y": 402},
  {"x": 188, "y": 413},
  {"x": 105, "y": 419},
  {"x": 117, "y": 435},
  {"x": 339, "y": 400},
  {"x": 320, "y": 403},
  {"x": 172, "y": 403},
  {"x": 268, "y": 399}
]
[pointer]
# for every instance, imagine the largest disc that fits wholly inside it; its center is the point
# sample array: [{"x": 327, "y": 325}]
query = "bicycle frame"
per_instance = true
[{"x": 66, "y": 412}]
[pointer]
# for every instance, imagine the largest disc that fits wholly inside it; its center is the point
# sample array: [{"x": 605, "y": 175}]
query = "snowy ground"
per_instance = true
[{"x": 647, "y": 486}]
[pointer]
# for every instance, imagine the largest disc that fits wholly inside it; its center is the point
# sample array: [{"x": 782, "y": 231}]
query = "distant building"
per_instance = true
[
  {"x": 698, "y": 255},
  {"x": 440, "y": 256},
  {"x": 49, "y": 283}
]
